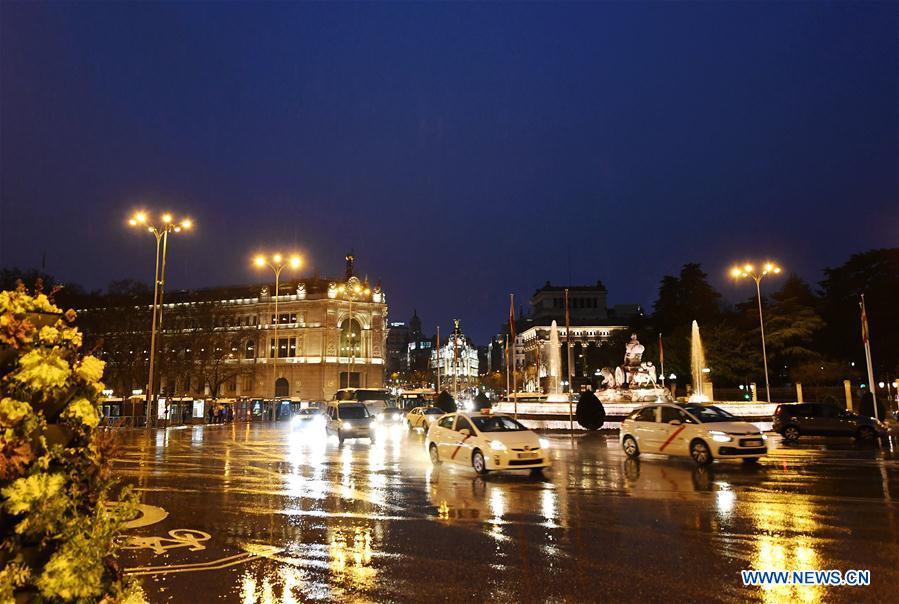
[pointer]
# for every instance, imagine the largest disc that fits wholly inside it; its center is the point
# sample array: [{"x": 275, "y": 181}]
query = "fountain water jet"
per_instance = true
[
  {"x": 697, "y": 364},
  {"x": 554, "y": 354}
]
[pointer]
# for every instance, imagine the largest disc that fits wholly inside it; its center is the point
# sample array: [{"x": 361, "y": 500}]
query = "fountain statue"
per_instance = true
[
  {"x": 632, "y": 381},
  {"x": 554, "y": 354},
  {"x": 697, "y": 364}
]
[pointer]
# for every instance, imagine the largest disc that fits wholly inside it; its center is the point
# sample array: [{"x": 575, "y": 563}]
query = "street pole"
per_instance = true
[
  {"x": 748, "y": 270},
  {"x": 165, "y": 242},
  {"x": 162, "y": 236},
  {"x": 438, "y": 360},
  {"x": 149, "y": 398},
  {"x": 758, "y": 289},
  {"x": 277, "y": 344},
  {"x": 569, "y": 358}
]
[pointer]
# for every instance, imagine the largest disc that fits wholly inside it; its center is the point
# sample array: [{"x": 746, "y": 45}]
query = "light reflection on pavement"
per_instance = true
[{"x": 294, "y": 517}]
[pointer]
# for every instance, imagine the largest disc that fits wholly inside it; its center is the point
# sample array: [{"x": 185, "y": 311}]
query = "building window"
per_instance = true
[
  {"x": 287, "y": 347},
  {"x": 249, "y": 350},
  {"x": 350, "y": 379},
  {"x": 350, "y": 338}
]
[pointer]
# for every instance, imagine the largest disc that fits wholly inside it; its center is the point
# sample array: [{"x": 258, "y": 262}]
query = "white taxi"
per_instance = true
[
  {"x": 421, "y": 417},
  {"x": 703, "y": 432},
  {"x": 487, "y": 441}
]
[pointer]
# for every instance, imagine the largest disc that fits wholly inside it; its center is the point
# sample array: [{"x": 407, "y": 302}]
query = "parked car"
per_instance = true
[
  {"x": 703, "y": 432},
  {"x": 349, "y": 420},
  {"x": 792, "y": 420}
]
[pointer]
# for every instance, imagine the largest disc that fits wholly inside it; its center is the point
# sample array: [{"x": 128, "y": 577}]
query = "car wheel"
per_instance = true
[
  {"x": 865, "y": 433},
  {"x": 700, "y": 453},
  {"x": 536, "y": 472},
  {"x": 630, "y": 447},
  {"x": 411, "y": 427},
  {"x": 751, "y": 461},
  {"x": 340, "y": 438},
  {"x": 478, "y": 462},
  {"x": 435, "y": 456},
  {"x": 790, "y": 434}
]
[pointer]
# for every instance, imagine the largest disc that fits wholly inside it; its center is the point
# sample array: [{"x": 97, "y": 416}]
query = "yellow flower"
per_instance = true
[
  {"x": 90, "y": 369},
  {"x": 83, "y": 411},
  {"x": 12, "y": 411},
  {"x": 42, "y": 370}
]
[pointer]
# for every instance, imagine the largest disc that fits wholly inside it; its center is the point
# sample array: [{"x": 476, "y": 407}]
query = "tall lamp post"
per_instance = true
[
  {"x": 277, "y": 263},
  {"x": 748, "y": 270},
  {"x": 161, "y": 233},
  {"x": 352, "y": 294}
]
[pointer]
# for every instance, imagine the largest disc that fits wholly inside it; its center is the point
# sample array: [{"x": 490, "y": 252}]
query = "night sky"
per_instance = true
[{"x": 463, "y": 151}]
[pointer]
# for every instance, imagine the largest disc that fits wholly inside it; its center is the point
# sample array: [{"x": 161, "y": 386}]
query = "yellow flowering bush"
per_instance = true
[{"x": 55, "y": 481}]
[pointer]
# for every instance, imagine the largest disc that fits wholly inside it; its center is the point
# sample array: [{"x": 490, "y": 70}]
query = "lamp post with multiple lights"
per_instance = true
[
  {"x": 748, "y": 270},
  {"x": 352, "y": 294},
  {"x": 276, "y": 262},
  {"x": 161, "y": 233}
]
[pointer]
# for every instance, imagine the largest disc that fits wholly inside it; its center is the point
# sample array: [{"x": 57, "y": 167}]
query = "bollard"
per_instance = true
[
  {"x": 755, "y": 392},
  {"x": 798, "y": 392},
  {"x": 847, "y": 388}
]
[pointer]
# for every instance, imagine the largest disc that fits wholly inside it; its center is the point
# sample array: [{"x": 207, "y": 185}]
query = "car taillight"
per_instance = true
[{"x": 779, "y": 410}]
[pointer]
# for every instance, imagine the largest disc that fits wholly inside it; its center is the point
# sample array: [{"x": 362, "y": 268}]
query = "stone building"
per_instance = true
[
  {"x": 221, "y": 342},
  {"x": 456, "y": 360}
]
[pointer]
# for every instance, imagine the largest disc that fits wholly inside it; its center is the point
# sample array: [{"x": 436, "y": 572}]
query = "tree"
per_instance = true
[
  {"x": 791, "y": 323},
  {"x": 874, "y": 273}
]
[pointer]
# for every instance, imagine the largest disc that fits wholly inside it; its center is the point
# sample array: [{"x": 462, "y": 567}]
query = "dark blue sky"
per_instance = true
[{"x": 463, "y": 150}]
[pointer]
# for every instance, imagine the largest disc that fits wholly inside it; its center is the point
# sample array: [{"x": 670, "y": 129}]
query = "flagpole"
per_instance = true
[
  {"x": 568, "y": 358},
  {"x": 662, "y": 358},
  {"x": 867, "y": 340},
  {"x": 439, "y": 355},
  {"x": 512, "y": 326},
  {"x": 506, "y": 350}
]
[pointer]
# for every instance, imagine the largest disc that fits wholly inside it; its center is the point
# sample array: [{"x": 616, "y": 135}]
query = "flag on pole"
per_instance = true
[
  {"x": 864, "y": 321},
  {"x": 661, "y": 354},
  {"x": 512, "y": 318}
]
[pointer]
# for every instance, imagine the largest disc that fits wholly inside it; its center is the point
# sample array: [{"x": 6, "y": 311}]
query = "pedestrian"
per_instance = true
[
  {"x": 230, "y": 415},
  {"x": 211, "y": 413}
]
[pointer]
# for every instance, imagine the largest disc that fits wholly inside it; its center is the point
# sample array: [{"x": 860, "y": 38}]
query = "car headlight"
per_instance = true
[
  {"x": 764, "y": 437},
  {"x": 720, "y": 437},
  {"x": 544, "y": 444},
  {"x": 346, "y": 425},
  {"x": 497, "y": 445}
]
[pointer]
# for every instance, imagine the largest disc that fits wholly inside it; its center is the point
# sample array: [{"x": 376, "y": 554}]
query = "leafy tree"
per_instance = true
[
  {"x": 874, "y": 273},
  {"x": 791, "y": 322}
]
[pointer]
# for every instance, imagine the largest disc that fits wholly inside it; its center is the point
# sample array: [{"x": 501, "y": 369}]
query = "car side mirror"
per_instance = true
[
  {"x": 675, "y": 422},
  {"x": 465, "y": 432}
]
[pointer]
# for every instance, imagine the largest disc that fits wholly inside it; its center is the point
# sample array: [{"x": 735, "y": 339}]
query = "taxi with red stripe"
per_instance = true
[
  {"x": 486, "y": 441},
  {"x": 701, "y": 431}
]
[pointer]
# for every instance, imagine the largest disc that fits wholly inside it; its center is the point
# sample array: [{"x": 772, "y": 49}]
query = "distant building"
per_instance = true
[
  {"x": 397, "y": 348},
  {"x": 456, "y": 360},
  {"x": 593, "y": 324},
  {"x": 221, "y": 342}
]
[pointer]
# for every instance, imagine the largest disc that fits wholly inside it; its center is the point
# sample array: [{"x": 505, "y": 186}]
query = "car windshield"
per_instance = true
[
  {"x": 709, "y": 415},
  {"x": 310, "y": 412},
  {"x": 353, "y": 412},
  {"x": 433, "y": 411},
  {"x": 497, "y": 423}
]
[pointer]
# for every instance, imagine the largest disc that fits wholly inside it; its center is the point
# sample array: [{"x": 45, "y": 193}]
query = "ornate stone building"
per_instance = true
[{"x": 222, "y": 341}]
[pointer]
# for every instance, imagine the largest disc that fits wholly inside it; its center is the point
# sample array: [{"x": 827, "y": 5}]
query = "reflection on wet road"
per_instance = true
[{"x": 293, "y": 517}]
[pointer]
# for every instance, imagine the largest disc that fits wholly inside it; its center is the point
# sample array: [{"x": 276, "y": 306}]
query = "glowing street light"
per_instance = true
[
  {"x": 277, "y": 264},
  {"x": 161, "y": 233},
  {"x": 748, "y": 270}
]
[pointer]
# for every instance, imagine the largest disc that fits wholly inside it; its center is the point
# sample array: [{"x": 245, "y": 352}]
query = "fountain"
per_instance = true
[
  {"x": 632, "y": 381},
  {"x": 697, "y": 364},
  {"x": 554, "y": 386}
]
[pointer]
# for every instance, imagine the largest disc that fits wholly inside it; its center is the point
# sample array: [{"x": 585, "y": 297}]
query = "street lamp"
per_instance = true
[
  {"x": 748, "y": 270},
  {"x": 161, "y": 233},
  {"x": 352, "y": 294},
  {"x": 276, "y": 262}
]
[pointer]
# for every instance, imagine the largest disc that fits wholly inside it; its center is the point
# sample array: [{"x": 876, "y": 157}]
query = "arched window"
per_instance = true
[
  {"x": 282, "y": 387},
  {"x": 250, "y": 350},
  {"x": 350, "y": 338}
]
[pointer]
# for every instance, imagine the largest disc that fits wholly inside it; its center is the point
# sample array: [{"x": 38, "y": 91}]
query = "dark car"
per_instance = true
[{"x": 824, "y": 419}]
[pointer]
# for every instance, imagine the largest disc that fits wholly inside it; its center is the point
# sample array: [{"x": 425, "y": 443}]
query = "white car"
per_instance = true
[
  {"x": 486, "y": 441},
  {"x": 703, "y": 432},
  {"x": 421, "y": 417}
]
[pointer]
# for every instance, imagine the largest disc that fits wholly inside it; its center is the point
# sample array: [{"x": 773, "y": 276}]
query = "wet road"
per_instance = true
[{"x": 252, "y": 513}]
